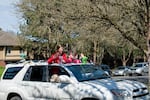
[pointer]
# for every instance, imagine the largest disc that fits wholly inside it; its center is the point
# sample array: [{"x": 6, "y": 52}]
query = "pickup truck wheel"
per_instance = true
[{"x": 15, "y": 98}]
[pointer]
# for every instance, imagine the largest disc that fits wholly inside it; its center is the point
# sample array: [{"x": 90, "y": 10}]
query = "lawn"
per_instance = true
[{"x": 1, "y": 70}]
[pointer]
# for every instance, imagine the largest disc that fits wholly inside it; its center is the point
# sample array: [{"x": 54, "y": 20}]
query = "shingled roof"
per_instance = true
[{"x": 8, "y": 39}]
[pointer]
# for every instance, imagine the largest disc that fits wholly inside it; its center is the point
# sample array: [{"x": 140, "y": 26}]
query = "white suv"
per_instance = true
[
  {"x": 33, "y": 81},
  {"x": 140, "y": 68}
]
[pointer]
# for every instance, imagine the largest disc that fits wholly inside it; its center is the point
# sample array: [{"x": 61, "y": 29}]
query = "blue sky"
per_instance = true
[{"x": 9, "y": 17}]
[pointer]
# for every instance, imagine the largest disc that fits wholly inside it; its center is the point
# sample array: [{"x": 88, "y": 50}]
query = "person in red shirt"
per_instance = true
[
  {"x": 58, "y": 57},
  {"x": 73, "y": 58},
  {"x": 70, "y": 57},
  {"x": 76, "y": 59}
]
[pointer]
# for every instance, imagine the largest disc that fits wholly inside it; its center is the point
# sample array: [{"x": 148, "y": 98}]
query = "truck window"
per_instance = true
[{"x": 11, "y": 72}]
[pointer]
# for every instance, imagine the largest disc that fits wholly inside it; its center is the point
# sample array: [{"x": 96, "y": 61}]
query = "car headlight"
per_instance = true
[{"x": 120, "y": 93}]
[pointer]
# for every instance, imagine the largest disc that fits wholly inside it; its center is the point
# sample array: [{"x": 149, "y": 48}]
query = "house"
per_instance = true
[{"x": 10, "y": 48}]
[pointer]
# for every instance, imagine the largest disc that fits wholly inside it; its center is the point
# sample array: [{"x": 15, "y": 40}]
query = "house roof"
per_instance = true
[{"x": 8, "y": 39}]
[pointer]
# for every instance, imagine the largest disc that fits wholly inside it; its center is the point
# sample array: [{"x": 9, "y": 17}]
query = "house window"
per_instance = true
[{"x": 8, "y": 50}]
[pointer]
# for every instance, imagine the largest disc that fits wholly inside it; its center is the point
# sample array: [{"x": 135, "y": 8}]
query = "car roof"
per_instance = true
[
  {"x": 23, "y": 63},
  {"x": 69, "y": 64},
  {"x": 33, "y": 63},
  {"x": 142, "y": 63}
]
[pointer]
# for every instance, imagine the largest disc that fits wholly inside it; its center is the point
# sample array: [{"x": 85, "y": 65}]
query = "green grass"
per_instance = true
[{"x": 1, "y": 70}]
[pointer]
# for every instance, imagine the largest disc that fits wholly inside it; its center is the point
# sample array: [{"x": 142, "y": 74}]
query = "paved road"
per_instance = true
[{"x": 143, "y": 79}]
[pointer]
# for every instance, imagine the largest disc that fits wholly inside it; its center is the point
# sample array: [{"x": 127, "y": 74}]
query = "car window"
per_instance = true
[
  {"x": 56, "y": 70},
  {"x": 145, "y": 64},
  {"x": 141, "y": 64},
  {"x": 138, "y": 65},
  {"x": 11, "y": 72},
  {"x": 36, "y": 73},
  {"x": 121, "y": 67}
]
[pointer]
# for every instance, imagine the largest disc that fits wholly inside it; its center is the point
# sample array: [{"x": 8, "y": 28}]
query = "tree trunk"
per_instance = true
[
  {"x": 94, "y": 53},
  {"x": 147, "y": 3},
  {"x": 124, "y": 58},
  {"x": 148, "y": 54},
  {"x": 124, "y": 63}
]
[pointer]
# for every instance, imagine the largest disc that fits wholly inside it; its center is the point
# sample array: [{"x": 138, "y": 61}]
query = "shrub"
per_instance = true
[{"x": 1, "y": 70}]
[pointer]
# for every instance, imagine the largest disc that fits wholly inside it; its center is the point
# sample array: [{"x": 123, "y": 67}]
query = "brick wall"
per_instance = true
[{"x": 2, "y": 63}]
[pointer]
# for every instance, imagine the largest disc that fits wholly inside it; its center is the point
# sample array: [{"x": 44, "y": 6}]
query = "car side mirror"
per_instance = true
[{"x": 64, "y": 79}]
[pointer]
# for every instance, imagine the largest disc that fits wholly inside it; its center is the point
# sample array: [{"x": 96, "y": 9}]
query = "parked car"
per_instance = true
[
  {"x": 139, "y": 68},
  {"x": 106, "y": 68},
  {"x": 122, "y": 70},
  {"x": 40, "y": 81}
]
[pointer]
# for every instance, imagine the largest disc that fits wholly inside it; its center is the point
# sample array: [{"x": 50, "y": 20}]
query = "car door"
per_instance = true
[
  {"x": 37, "y": 85},
  {"x": 33, "y": 80},
  {"x": 56, "y": 88}
]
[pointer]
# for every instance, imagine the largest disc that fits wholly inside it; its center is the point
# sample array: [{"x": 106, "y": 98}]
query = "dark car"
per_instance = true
[{"x": 106, "y": 68}]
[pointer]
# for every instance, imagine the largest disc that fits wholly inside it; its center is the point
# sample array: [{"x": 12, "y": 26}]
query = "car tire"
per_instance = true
[{"x": 15, "y": 98}]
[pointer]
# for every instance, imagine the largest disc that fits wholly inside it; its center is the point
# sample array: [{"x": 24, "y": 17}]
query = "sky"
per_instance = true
[{"x": 9, "y": 17}]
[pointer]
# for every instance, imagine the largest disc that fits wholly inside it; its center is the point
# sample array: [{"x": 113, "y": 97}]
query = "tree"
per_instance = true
[
  {"x": 55, "y": 22},
  {"x": 131, "y": 21},
  {"x": 86, "y": 19},
  {"x": 43, "y": 25},
  {"x": 98, "y": 24}
]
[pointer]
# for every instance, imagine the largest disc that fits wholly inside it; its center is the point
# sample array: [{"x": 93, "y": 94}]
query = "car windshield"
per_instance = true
[
  {"x": 121, "y": 67},
  {"x": 138, "y": 65},
  {"x": 87, "y": 72}
]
